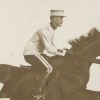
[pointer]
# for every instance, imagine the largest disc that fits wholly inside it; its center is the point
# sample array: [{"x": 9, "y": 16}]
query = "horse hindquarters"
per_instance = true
[{"x": 5, "y": 73}]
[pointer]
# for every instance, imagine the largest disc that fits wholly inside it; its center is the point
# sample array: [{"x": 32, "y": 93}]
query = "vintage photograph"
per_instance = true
[{"x": 49, "y": 50}]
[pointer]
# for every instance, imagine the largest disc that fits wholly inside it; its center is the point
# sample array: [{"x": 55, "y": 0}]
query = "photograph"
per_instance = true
[{"x": 49, "y": 50}]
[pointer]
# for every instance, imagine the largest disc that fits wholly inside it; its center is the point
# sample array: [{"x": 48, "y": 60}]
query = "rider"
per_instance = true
[{"x": 43, "y": 41}]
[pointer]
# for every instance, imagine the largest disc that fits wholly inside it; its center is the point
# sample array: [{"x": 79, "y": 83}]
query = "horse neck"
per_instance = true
[{"x": 90, "y": 50}]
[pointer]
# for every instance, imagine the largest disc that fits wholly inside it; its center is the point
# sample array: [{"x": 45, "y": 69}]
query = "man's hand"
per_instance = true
[
  {"x": 61, "y": 52},
  {"x": 67, "y": 46},
  {"x": 64, "y": 52}
]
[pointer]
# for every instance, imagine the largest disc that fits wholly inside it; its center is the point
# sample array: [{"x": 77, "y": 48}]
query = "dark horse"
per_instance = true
[{"x": 67, "y": 81}]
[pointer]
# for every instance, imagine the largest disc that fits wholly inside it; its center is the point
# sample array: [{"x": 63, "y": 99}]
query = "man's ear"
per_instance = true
[{"x": 52, "y": 18}]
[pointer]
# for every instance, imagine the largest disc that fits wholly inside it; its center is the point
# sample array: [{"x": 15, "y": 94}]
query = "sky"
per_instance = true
[{"x": 19, "y": 20}]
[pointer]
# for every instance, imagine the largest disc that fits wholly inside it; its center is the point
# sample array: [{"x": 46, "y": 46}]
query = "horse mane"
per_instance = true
[{"x": 79, "y": 43}]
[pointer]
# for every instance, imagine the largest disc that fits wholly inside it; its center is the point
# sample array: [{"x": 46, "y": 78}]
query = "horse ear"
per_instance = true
[{"x": 93, "y": 32}]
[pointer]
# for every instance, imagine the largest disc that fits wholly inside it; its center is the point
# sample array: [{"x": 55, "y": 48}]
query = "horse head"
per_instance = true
[{"x": 87, "y": 46}]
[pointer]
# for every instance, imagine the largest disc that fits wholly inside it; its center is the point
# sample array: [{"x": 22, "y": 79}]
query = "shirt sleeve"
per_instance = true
[{"x": 46, "y": 39}]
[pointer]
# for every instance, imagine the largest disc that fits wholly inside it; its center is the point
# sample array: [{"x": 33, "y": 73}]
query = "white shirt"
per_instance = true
[{"x": 41, "y": 41}]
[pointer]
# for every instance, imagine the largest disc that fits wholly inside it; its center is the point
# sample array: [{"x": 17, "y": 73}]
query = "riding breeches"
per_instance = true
[{"x": 38, "y": 61}]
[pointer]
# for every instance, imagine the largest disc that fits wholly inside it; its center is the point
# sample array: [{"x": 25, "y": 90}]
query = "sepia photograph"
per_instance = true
[{"x": 49, "y": 50}]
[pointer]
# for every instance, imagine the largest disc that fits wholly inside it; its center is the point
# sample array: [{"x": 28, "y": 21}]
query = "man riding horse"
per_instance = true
[
  {"x": 72, "y": 71},
  {"x": 43, "y": 40}
]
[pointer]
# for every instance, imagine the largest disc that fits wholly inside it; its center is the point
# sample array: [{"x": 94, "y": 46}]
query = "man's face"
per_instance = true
[{"x": 58, "y": 20}]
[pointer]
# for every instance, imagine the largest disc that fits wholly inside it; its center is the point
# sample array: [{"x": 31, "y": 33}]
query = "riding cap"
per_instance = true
[{"x": 57, "y": 13}]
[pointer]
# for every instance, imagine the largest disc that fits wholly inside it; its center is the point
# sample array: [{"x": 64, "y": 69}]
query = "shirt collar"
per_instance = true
[{"x": 51, "y": 29}]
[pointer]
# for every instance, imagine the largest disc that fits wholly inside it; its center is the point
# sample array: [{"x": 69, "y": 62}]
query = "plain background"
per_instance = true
[{"x": 19, "y": 20}]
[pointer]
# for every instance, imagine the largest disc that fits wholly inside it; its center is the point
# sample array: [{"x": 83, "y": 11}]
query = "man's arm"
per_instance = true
[{"x": 48, "y": 44}]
